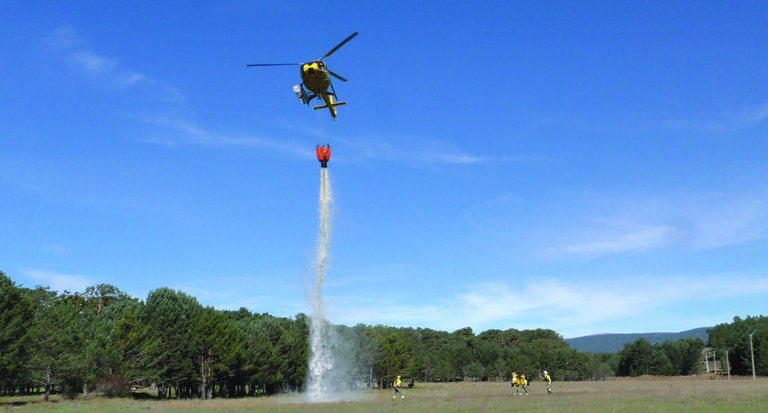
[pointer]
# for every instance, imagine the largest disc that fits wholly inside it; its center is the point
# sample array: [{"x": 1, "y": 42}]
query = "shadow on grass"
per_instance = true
[
  {"x": 144, "y": 396},
  {"x": 13, "y": 404},
  {"x": 20, "y": 403}
]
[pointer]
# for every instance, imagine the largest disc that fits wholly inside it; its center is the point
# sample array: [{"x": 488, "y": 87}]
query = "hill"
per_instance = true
[{"x": 611, "y": 343}]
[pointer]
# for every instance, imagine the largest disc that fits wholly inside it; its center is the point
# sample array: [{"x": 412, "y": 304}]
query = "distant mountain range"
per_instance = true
[{"x": 611, "y": 343}]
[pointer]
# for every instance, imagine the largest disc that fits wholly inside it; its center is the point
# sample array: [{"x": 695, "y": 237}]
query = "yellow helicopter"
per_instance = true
[{"x": 316, "y": 78}]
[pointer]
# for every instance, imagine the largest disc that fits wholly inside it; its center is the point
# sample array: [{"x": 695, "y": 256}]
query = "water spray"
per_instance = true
[{"x": 321, "y": 357}]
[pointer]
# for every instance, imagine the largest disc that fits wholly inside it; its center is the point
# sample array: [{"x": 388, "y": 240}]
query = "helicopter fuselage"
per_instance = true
[{"x": 315, "y": 77}]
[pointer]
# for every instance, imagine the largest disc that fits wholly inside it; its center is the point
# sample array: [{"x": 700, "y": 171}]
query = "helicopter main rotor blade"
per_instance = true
[
  {"x": 339, "y": 45},
  {"x": 274, "y": 64},
  {"x": 337, "y": 76}
]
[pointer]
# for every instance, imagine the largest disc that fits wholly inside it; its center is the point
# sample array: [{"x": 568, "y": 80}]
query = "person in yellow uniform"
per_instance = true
[
  {"x": 514, "y": 384},
  {"x": 524, "y": 384},
  {"x": 398, "y": 385},
  {"x": 547, "y": 382}
]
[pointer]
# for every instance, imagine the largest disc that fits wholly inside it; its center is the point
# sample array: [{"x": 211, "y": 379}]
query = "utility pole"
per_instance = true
[
  {"x": 752, "y": 353},
  {"x": 728, "y": 365}
]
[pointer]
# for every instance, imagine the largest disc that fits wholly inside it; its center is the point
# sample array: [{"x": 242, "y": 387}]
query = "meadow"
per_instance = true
[{"x": 615, "y": 395}]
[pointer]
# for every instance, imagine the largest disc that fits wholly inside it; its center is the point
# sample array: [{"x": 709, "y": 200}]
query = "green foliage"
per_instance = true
[
  {"x": 214, "y": 334},
  {"x": 115, "y": 343},
  {"x": 643, "y": 358},
  {"x": 15, "y": 321},
  {"x": 107, "y": 341},
  {"x": 734, "y": 337},
  {"x": 168, "y": 351},
  {"x": 59, "y": 333},
  {"x": 684, "y": 354}
]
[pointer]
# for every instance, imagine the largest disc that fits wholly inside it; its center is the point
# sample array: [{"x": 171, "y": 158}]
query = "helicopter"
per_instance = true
[{"x": 316, "y": 79}]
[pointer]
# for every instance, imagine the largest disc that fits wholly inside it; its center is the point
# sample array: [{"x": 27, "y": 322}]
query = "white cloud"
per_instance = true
[
  {"x": 755, "y": 114},
  {"x": 639, "y": 239},
  {"x": 92, "y": 63},
  {"x": 59, "y": 282},
  {"x": 504, "y": 199},
  {"x": 64, "y": 37},
  {"x": 697, "y": 221},
  {"x": 706, "y": 126},
  {"x": 190, "y": 132},
  {"x": 729, "y": 220},
  {"x": 746, "y": 117},
  {"x": 415, "y": 151},
  {"x": 570, "y": 307},
  {"x": 106, "y": 70},
  {"x": 100, "y": 67},
  {"x": 391, "y": 313}
]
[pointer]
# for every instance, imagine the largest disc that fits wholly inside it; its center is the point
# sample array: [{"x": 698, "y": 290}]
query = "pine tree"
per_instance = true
[{"x": 15, "y": 321}]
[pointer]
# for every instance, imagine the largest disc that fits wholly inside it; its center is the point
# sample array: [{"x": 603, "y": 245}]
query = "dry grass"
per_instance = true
[{"x": 618, "y": 395}]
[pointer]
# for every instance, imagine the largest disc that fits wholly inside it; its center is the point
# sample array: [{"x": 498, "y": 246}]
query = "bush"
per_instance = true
[
  {"x": 113, "y": 386},
  {"x": 71, "y": 387}
]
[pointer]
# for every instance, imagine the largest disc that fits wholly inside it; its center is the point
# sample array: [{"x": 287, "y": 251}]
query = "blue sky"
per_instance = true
[{"x": 588, "y": 167}]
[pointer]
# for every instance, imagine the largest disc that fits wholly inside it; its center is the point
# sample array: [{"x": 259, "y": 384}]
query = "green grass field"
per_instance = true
[{"x": 617, "y": 395}]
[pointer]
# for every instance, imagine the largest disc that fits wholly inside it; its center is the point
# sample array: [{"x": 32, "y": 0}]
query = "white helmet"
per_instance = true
[{"x": 545, "y": 372}]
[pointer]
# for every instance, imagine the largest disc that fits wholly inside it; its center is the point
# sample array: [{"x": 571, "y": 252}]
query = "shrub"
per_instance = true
[{"x": 113, "y": 386}]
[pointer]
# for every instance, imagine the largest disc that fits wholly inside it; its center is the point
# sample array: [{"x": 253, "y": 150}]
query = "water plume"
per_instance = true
[{"x": 320, "y": 383}]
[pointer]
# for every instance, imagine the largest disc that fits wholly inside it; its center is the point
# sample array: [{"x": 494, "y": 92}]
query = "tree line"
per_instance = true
[
  {"x": 735, "y": 338},
  {"x": 104, "y": 340},
  {"x": 685, "y": 356},
  {"x": 670, "y": 358},
  {"x": 107, "y": 341}
]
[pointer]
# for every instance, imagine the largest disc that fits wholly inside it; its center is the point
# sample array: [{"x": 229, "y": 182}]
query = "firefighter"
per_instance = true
[
  {"x": 515, "y": 386},
  {"x": 547, "y": 382},
  {"x": 398, "y": 385},
  {"x": 524, "y": 384}
]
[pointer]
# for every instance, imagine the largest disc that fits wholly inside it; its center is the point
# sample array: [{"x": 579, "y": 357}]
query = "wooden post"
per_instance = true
[{"x": 752, "y": 353}]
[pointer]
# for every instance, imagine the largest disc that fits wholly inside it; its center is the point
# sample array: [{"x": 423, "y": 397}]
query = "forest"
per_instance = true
[{"x": 106, "y": 341}]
